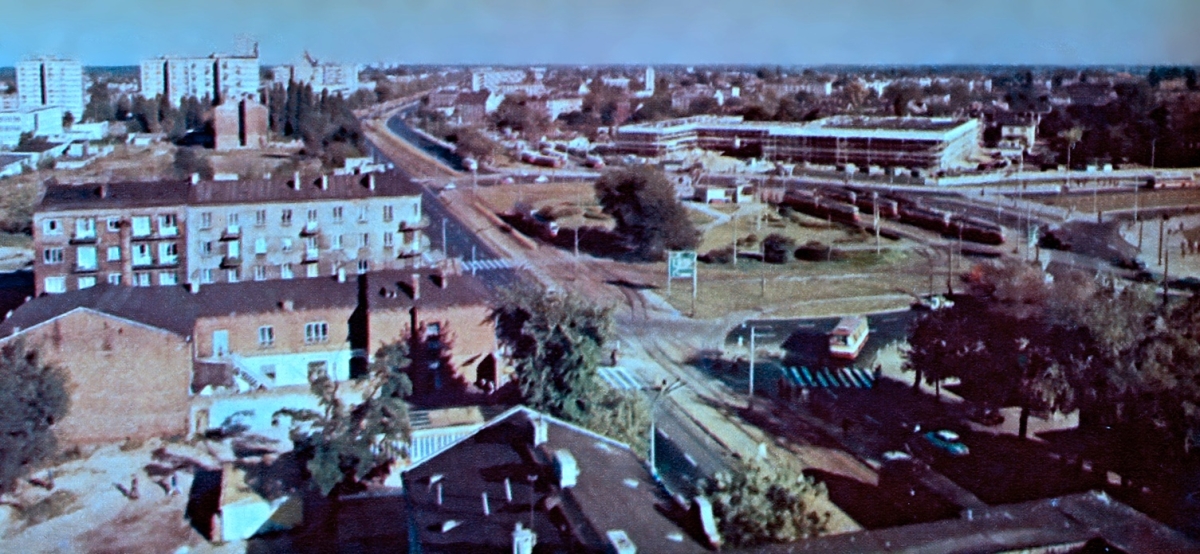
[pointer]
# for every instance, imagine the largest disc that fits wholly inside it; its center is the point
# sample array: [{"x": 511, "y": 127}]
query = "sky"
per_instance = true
[{"x": 797, "y": 32}]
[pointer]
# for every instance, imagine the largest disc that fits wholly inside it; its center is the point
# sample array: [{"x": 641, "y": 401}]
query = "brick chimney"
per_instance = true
[
  {"x": 371, "y": 181},
  {"x": 416, "y": 286},
  {"x": 287, "y": 305},
  {"x": 443, "y": 278},
  {"x": 324, "y": 182},
  {"x": 296, "y": 180},
  {"x": 540, "y": 429}
]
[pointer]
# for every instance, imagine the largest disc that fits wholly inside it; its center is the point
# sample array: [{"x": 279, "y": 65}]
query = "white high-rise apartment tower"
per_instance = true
[{"x": 50, "y": 81}]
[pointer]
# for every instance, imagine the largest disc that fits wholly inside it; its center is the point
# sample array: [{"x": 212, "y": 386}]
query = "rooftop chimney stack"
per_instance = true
[
  {"x": 341, "y": 275},
  {"x": 523, "y": 540},
  {"x": 104, "y": 190},
  {"x": 287, "y": 305},
  {"x": 443, "y": 278},
  {"x": 194, "y": 287},
  {"x": 296, "y": 180},
  {"x": 195, "y": 178},
  {"x": 487, "y": 509},
  {"x": 371, "y": 181},
  {"x": 539, "y": 430},
  {"x": 324, "y": 182},
  {"x": 416, "y": 286}
]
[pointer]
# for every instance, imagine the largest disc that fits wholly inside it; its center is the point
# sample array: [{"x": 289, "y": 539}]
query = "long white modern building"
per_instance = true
[
  {"x": 51, "y": 82},
  {"x": 218, "y": 78},
  {"x": 913, "y": 142}
]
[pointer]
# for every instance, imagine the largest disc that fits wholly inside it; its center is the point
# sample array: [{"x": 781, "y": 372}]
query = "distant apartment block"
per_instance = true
[
  {"x": 911, "y": 142},
  {"x": 40, "y": 121},
  {"x": 176, "y": 232},
  {"x": 491, "y": 79},
  {"x": 218, "y": 78},
  {"x": 323, "y": 76},
  {"x": 51, "y": 82}
]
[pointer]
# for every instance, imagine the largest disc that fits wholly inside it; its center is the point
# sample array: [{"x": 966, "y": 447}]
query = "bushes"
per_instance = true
[
  {"x": 814, "y": 251},
  {"x": 777, "y": 248},
  {"x": 718, "y": 256}
]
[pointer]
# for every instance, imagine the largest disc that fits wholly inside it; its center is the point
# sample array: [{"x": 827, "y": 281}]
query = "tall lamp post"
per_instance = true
[
  {"x": 753, "y": 336},
  {"x": 661, "y": 392}
]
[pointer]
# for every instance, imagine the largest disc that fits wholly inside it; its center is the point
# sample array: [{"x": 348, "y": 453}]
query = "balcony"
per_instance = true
[
  {"x": 142, "y": 261},
  {"x": 310, "y": 229},
  {"x": 83, "y": 238},
  {"x": 231, "y": 262},
  {"x": 408, "y": 225},
  {"x": 168, "y": 231},
  {"x": 231, "y": 232},
  {"x": 312, "y": 255},
  {"x": 81, "y": 268},
  {"x": 414, "y": 248},
  {"x": 168, "y": 261}
]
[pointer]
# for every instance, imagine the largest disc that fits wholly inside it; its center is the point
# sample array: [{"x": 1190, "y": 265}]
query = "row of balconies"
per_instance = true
[{"x": 312, "y": 228}]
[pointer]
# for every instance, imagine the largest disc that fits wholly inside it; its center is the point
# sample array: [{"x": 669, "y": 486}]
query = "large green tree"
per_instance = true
[
  {"x": 33, "y": 398},
  {"x": 345, "y": 444},
  {"x": 757, "y": 504},
  {"x": 647, "y": 211}
]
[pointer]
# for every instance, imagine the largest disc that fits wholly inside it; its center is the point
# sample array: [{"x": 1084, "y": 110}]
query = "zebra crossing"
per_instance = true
[
  {"x": 620, "y": 378},
  {"x": 846, "y": 377},
  {"x": 488, "y": 264}
]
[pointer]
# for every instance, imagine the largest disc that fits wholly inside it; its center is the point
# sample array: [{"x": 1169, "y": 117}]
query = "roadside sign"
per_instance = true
[{"x": 681, "y": 264}]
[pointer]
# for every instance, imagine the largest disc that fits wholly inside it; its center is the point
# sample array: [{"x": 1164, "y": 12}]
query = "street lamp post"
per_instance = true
[
  {"x": 753, "y": 336},
  {"x": 662, "y": 392}
]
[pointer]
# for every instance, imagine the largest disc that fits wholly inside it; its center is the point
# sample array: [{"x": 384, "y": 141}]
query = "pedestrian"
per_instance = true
[
  {"x": 133, "y": 488},
  {"x": 174, "y": 484}
]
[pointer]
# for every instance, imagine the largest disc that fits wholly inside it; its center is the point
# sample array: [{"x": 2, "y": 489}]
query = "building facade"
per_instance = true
[
  {"x": 172, "y": 233},
  {"x": 323, "y": 76},
  {"x": 240, "y": 124},
  {"x": 51, "y": 82},
  {"x": 39, "y": 120},
  {"x": 218, "y": 78}
]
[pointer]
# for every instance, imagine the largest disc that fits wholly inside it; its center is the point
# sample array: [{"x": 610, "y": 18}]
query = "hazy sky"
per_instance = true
[{"x": 122, "y": 32}]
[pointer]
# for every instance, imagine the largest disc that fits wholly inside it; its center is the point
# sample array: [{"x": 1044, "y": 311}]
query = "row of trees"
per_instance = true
[
  {"x": 646, "y": 208},
  {"x": 1122, "y": 358},
  {"x": 324, "y": 122}
]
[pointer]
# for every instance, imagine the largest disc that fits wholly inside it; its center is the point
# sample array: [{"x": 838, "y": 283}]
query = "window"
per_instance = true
[
  {"x": 85, "y": 228},
  {"x": 114, "y": 278},
  {"x": 233, "y": 249},
  {"x": 206, "y": 276},
  {"x": 285, "y": 218},
  {"x": 168, "y": 253},
  {"x": 260, "y": 246},
  {"x": 166, "y": 225},
  {"x": 266, "y": 336},
  {"x": 260, "y": 218},
  {"x": 312, "y": 216},
  {"x": 141, "y": 226},
  {"x": 310, "y": 244},
  {"x": 55, "y": 284},
  {"x": 141, "y": 254},
  {"x": 387, "y": 240},
  {"x": 337, "y": 214},
  {"x": 167, "y": 278},
  {"x": 233, "y": 275},
  {"x": 362, "y": 214},
  {"x": 285, "y": 271},
  {"x": 114, "y": 253},
  {"x": 87, "y": 282},
  {"x": 113, "y": 224},
  {"x": 51, "y": 227},
  {"x": 364, "y": 241},
  {"x": 232, "y": 219},
  {"x": 141, "y": 279},
  {"x": 206, "y": 248},
  {"x": 315, "y": 332},
  {"x": 313, "y": 270},
  {"x": 52, "y": 255},
  {"x": 335, "y": 242},
  {"x": 415, "y": 210},
  {"x": 206, "y": 220},
  {"x": 363, "y": 266},
  {"x": 260, "y": 273},
  {"x": 85, "y": 258},
  {"x": 387, "y": 213}
]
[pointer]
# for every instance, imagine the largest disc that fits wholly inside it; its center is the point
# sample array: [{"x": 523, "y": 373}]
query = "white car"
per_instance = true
[
  {"x": 450, "y": 186},
  {"x": 542, "y": 179}
]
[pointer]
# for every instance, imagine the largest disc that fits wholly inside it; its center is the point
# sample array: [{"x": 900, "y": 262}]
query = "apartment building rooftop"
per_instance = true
[
  {"x": 274, "y": 189},
  {"x": 842, "y": 127}
]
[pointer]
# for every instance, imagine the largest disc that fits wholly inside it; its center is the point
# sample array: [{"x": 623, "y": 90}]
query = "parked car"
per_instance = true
[
  {"x": 947, "y": 441},
  {"x": 987, "y": 416}
]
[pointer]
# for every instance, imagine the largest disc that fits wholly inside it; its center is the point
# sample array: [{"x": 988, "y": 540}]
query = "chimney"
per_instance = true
[
  {"x": 194, "y": 287},
  {"x": 104, "y": 190},
  {"x": 539, "y": 430},
  {"x": 487, "y": 510},
  {"x": 523, "y": 540},
  {"x": 341, "y": 274},
  {"x": 324, "y": 182},
  {"x": 443, "y": 278},
  {"x": 507, "y": 489},
  {"x": 703, "y": 512},
  {"x": 565, "y": 468},
  {"x": 416, "y": 286},
  {"x": 371, "y": 181},
  {"x": 195, "y": 178},
  {"x": 287, "y": 305},
  {"x": 296, "y": 180}
]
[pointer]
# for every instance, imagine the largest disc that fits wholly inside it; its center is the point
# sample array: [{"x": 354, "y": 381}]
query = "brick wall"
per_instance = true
[{"x": 126, "y": 380}]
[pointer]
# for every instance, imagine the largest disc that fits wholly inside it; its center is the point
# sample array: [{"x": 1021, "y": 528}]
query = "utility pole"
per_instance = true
[
  {"x": 445, "y": 245},
  {"x": 875, "y": 209},
  {"x": 1166, "y": 270},
  {"x": 1162, "y": 221},
  {"x": 735, "y": 238},
  {"x": 752, "y": 349}
]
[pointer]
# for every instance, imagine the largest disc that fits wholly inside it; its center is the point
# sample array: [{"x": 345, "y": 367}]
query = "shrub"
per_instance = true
[
  {"x": 718, "y": 256},
  {"x": 776, "y": 248}
]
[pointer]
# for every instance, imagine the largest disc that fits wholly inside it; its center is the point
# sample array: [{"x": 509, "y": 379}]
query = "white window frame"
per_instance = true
[
  {"x": 113, "y": 254},
  {"x": 168, "y": 278},
  {"x": 51, "y": 227},
  {"x": 86, "y": 282},
  {"x": 113, "y": 224},
  {"x": 206, "y": 220},
  {"x": 114, "y": 278},
  {"x": 168, "y": 226},
  {"x": 260, "y": 218},
  {"x": 286, "y": 272},
  {"x": 337, "y": 214},
  {"x": 141, "y": 226},
  {"x": 316, "y": 332},
  {"x": 206, "y": 276},
  {"x": 85, "y": 228},
  {"x": 55, "y": 284},
  {"x": 266, "y": 336},
  {"x": 260, "y": 273},
  {"x": 52, "y": 256},
  {"x": 85, "y": 254},
  {"x": 388, "y": 213}
]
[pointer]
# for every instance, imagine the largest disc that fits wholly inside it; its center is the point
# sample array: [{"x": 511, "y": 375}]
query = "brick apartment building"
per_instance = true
[
  {"x": 163, "y": 361},
  {"x": 175, "y": 232},
  {"x": 240, "y": 124}
]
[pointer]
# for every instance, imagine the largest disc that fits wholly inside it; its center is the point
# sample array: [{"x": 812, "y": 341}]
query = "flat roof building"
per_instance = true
[
  {"x": 218, "y": 78},
  {"x": 51, "y": 82},
  {"x": 916, "y": 142}
]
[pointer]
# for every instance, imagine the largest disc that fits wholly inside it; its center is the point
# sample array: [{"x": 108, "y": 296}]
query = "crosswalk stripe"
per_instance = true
[{"x": 845, "y": 377}]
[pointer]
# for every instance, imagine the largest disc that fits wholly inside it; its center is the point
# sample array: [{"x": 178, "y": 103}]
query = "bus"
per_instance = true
[{"x": 848, "y": 338}]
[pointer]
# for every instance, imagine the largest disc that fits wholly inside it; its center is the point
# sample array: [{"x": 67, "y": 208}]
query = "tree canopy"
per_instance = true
[
  {"x": 647, "y": 211},
  {"x": 757, "y": 504},
  {"x": 324, "y": 122},
  {"x": 345, "y": 445},
  {"x": 33, "y": 397}
]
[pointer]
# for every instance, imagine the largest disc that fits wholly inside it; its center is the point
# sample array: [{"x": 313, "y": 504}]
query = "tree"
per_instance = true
[
  {"x": 648, "y": 214},
  {"x": 474, "y": 144},
  {"x": 777, "y": 248},
  {"x": 100, "y": 104},
  {"x": 757, "y": 504},
  {"x": 345, "y": 445},
  {"x": 68, "y": 120},
  {"x": 33, "y": 397},
  {"x": 189, "y": 160}
]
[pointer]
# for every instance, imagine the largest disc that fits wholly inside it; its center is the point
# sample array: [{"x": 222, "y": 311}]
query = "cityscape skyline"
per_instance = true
[{"x": 862, "y": 32}]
